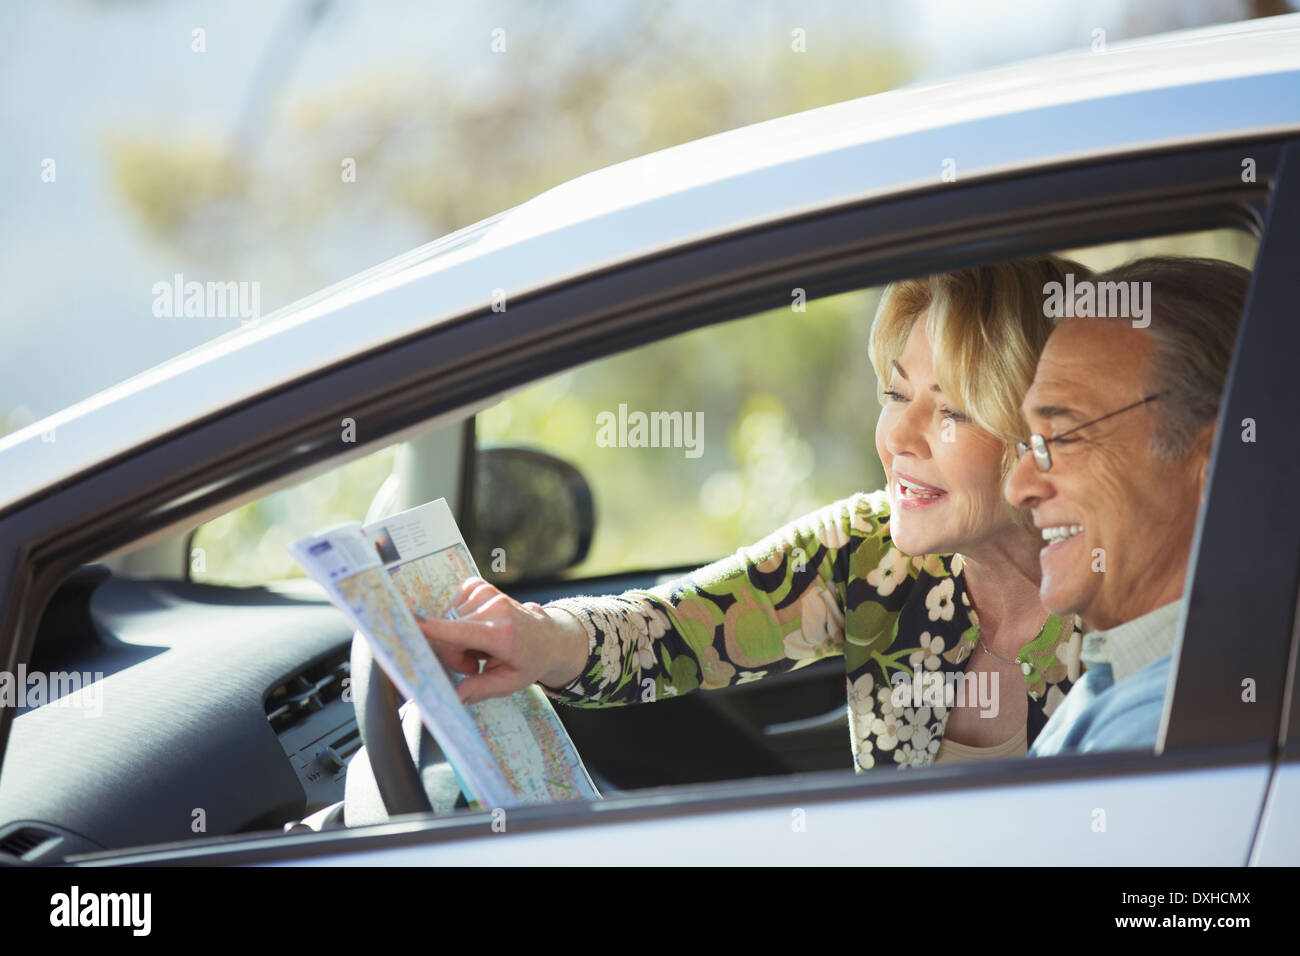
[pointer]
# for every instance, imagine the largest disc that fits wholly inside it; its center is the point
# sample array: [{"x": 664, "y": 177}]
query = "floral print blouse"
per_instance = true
[{"x": 829, "y": 583}]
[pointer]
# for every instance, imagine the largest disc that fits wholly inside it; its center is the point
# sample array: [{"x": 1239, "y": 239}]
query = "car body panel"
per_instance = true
[
  {"x": 1204, "y": 817},
  {"x": 1278, "y": 842}
]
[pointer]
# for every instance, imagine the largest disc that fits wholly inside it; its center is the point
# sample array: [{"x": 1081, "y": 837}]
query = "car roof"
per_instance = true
[{"x": 1199, "y": 86}]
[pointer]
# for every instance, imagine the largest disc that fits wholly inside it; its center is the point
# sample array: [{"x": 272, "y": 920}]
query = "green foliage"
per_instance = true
[
  {"x": 789, "y": 409},
  {"x": 174, "y": 185},
  {"x": 448, "y": 152},
  {"x": 249, "y": 545}
]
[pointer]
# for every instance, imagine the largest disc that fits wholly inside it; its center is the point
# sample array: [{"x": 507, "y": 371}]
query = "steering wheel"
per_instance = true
[
  {"x": 410, "y": 772},
  {"x": 376, "y": 701}
]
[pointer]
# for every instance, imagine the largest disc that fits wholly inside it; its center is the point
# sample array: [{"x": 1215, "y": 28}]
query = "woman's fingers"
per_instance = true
[
  {"x": 491, "y": 683},
  {"x": 473, "y": 594},
  {"x": 463, "y": 635},
  {"x": 462, "y": 662},
  {"x": 510, "y": 640}
]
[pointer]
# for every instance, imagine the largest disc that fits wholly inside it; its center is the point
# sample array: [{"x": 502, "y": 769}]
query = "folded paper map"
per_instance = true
[{"x": 506, "y": 751}]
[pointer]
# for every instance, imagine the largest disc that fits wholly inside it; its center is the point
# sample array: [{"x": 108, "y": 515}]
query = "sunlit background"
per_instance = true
[{"x": 145, "y": 139}]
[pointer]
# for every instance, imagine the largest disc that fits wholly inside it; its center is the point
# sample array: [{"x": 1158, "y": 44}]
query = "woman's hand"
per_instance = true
[{"x": 519, "y": 644}]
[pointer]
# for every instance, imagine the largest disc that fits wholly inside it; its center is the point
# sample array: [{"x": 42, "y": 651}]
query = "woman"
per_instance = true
[{"x": 928, "y": 588}]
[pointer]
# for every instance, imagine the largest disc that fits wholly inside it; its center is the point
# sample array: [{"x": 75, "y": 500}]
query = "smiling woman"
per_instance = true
[{"x": 971, "y": 340}]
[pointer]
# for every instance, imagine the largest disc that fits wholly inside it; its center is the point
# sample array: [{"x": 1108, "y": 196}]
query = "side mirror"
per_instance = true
[{"x": 532, "y": 515}]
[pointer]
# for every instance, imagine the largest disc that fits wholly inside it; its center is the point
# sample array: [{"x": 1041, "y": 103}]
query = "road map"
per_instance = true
[
  {"x": 431, "y": 582},
  {"x": 505, "y": 751}
]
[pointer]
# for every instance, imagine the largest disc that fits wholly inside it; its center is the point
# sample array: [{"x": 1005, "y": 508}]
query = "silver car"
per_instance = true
[{"x": 242, "y": 725}]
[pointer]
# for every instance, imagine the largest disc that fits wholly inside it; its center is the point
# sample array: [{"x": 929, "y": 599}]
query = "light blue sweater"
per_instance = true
[
  {"x": 1118, "y": 702},
  {"x": 1098, "y": 714}
]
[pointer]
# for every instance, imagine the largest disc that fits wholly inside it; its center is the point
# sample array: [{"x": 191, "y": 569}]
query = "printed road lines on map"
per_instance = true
[
  {"x": 526, "y": 741},
  {"x": 521, "y": 732},
  {"x": 431, "y": 582},
  {"x": 370, "y": 601}
]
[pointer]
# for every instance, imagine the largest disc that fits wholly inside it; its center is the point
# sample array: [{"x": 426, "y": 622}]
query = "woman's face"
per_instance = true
[{"x": 944, "y": 472}]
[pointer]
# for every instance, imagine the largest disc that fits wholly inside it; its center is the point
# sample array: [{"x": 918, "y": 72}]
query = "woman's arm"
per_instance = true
[
  {"x": 767, "y": 609},
  {"x": 515, "y": 644},
  {"x": 770, "y": 608}
]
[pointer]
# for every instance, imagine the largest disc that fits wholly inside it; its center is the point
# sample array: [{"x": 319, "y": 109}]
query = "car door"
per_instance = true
[
  {"x": 1199, "y": 801},
  {"x": 1272, "y": 306},
  {"x": 1278, "y": 840}
]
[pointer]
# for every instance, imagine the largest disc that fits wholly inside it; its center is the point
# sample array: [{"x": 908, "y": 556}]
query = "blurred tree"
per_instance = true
[
  {"x": 559, "y": 102},
  {"x": 450, "y": 153}
]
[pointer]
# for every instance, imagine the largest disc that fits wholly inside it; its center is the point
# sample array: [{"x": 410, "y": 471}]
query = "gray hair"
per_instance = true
[{"x": 1196, "y": 311}]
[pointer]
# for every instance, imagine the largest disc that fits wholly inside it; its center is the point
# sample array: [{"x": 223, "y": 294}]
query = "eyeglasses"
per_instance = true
[{"x": 1038, "y": 444}]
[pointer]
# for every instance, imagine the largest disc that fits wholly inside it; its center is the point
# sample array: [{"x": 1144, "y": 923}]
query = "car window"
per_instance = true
[
  {"x": 248, "y": 545},
  {"x": 658, "y": 509},
  {"x": 707, "y": 441},
  {"x": 691, "y": 446},
  {"x": 711, "y": 438}
]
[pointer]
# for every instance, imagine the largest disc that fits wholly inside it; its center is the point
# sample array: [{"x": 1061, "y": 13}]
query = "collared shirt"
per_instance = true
[
  {"x": 1131, "y": 646},
  {"x": 1118, "y": 703}
]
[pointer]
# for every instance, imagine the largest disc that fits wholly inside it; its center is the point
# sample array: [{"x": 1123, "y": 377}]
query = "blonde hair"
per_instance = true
[{"x": 986, "y": 327}]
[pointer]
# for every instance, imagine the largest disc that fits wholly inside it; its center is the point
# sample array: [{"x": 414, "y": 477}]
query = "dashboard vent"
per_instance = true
[
  {"x": 24, "y": 840},
  {"x": 307, "y": 692}
]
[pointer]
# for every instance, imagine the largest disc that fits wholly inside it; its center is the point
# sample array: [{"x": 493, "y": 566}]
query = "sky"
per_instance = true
[{"x": 77, "y": 268}]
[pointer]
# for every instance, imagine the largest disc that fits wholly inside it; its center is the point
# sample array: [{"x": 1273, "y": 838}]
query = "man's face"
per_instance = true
[{"x": 1124, "y": 519}]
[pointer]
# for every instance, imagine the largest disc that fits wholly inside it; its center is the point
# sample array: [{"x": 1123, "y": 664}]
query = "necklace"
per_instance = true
[
  {"x": 994, "y": 656},
  {"x": 1003, "y": 659}
]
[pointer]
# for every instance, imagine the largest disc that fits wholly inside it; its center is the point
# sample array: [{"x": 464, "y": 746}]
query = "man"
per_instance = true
[{"x": 1123, "y": 412}]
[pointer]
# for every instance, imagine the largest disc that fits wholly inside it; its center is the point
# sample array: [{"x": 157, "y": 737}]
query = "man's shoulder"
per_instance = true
[
  {"x": 1128, "y": 714},
  {"x": 1123, "y": 716}
]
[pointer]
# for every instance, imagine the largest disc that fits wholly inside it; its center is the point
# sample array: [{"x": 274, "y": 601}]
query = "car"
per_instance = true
[{"x": 229, "y": 720}]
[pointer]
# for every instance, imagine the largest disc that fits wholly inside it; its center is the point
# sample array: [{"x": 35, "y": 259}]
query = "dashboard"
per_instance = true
[{"x": 220, "y": 710}]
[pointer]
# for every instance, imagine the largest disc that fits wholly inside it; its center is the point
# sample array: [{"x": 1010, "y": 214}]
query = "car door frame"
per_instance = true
[{"x": 458, "y": 363}]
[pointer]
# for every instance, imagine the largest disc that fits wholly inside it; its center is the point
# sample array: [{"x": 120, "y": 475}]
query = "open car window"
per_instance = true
[
  {"x": 707, "y": 441},
  {"x": 785, "y": 404}
]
